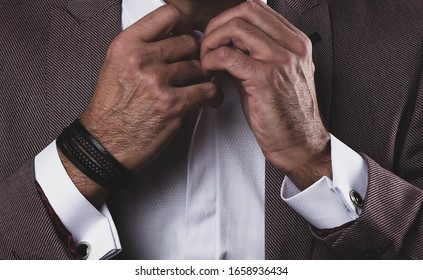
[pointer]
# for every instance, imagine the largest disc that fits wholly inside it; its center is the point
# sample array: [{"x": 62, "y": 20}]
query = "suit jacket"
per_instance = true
[{"x": 368, "y": 57}]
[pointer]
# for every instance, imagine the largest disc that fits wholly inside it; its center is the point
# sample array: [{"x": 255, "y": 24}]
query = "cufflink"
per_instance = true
[
  {"x": 83, "y": 250},
  {"x": 356, "y": 199}
]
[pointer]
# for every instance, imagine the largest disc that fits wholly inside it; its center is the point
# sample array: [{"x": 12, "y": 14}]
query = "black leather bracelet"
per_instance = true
[
  {"x": 91, "y": 158},
  {"x": 96, "y": 150}
]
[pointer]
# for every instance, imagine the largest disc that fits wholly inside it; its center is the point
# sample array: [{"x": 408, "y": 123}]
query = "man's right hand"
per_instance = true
[
  {"x": 148, "y": 83},
  {"x": 150, "y": 80}
]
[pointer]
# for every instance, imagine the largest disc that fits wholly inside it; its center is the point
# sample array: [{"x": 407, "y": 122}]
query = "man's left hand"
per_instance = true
[{"x": 271, "y": 62}]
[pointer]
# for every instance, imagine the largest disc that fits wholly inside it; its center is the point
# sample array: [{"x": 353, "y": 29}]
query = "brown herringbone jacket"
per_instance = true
[{"x": 368, "y": 56}]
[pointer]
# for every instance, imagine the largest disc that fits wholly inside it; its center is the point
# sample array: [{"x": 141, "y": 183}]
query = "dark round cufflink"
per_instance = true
[
  {"x": 83, "y": 250},
  {"x": 356, "y": 199}
]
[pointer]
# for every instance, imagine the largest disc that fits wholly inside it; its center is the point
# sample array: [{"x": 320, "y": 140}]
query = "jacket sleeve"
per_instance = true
[
  {"x": 391, "y": 224},
  {"x": 29, "y": 228}
]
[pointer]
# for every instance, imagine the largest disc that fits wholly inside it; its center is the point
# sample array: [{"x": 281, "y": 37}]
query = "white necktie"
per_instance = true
[{"x": 225, "y": 183}]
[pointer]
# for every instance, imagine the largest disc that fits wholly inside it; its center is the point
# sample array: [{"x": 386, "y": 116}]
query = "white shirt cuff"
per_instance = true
[
  {"x": 326, "y": 203},
  {"x": 78, "y": 215}
]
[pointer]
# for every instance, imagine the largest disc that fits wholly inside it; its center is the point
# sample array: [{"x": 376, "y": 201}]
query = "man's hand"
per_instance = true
[
  {"x": 149, "y": 81},
  {"x": 151, "y": 78},
  {"x": 272, "y": 64}
]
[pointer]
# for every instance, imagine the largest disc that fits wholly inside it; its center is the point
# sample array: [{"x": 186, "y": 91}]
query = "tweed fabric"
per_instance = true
[
  {"x": 280, "y": 234},
  {"x": 390, "y": 225},
  {"x": 410, "y": 157},
  {"x": 369, "y": 98},
  {"x": 51, "y": 53},
  {"x": 299, "y": 6},
  {"x": 26, "y": 232},
  {"x": 368, "y": 78}
]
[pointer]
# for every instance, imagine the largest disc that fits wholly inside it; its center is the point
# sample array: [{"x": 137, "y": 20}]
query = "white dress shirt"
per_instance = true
[{"x": 210, "y": 206}]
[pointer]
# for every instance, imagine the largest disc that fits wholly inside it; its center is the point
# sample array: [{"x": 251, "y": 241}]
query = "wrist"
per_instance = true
[
  {"x": 111, "y": 138},
  {"x": 317, "y": 166},
  {"x": 92, "y": 191},
  {"x": 306, "y": 165}
]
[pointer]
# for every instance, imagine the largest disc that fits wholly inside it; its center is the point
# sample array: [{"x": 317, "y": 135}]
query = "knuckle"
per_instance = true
[
  {"x": 287, "y": 59},
  {"x": 153, "y": 78},
  {"x": 304, "y": 46},
  {"x": 249, "y": 6},
  {"x": 120, "y": 50},
  {"x": 131, "y": 67},
  {"x": 134, "y": 60},
  {"x": 140, "y": 57},
  {"x": 212, "y": 22},
  {"x": 171, "y": 11},
  {"x": 223, "y": 53},
  {"x": 133, "y": 72},
  {"x": 166, "y": 103},
  {"x": 118, "y": 46}
]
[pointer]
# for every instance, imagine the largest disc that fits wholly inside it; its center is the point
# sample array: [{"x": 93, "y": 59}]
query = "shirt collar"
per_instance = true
[{"x": 133, "y": 10}]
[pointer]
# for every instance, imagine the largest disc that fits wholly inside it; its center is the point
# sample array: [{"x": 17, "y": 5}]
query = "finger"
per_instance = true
[
  {"x": 159, "y": 24},
  {"x": 275, "y": 27},
  {"x": 237, "y": 64},
  {"x": 185, "y": 73},
  {"x": 187, "y": 48},
  {"x": 243, "y": 36},
  {"x": 196, "y": 96},
  {"x": 276, "y": 14}
]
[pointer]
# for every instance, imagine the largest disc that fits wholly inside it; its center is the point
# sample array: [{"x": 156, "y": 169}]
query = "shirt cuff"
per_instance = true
[
  {"x": 326, "y": 203},
  {"x": 86, "y": 224}
]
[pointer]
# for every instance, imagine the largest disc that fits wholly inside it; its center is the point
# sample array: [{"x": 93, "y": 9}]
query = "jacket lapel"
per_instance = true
[
  {"x": 287, "y": 233},
  {"x": 315, "y": 22},
  {"x": 80, "y": 32},
  {"x": 312, "y": 17},
  {"x": 79, "y": 35},
  {"x": 301, "y": 6}
]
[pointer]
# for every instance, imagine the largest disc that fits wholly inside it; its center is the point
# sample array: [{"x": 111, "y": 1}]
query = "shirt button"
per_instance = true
[
  {"x": 356, "y": 199},
  {"x": 83, "y": 250}
]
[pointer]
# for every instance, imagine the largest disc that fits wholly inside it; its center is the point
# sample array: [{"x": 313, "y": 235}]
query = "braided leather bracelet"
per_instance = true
[{"x": 91, "y": 158}]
